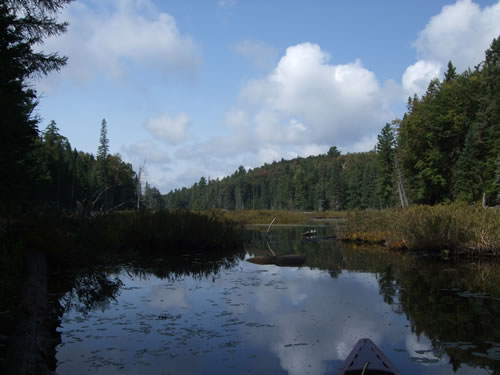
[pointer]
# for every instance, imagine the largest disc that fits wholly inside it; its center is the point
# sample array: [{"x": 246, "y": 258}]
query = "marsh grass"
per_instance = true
[
  {"x": 101, "y": 238},
  {"x": 282, "y": 217},
  {"x": 161, "y": 232},
  {"x": 455, "y": 227}
]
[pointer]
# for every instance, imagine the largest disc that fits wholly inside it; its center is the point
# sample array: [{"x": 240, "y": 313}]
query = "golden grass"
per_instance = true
[
  {"x": 456, "y": 227},
  {"x": 282, "y": 217}
]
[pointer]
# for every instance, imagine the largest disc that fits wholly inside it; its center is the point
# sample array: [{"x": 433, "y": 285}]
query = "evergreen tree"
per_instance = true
[
  {"x": 56, "y": 156},
  {"x": 23, "y": 24},
  {"x": 102, "y": 163},
  {"x": 489, "y": 119},
  {"x": 385, "y": 162},
  {"x": 451, "y": 73},
  {"x": 152, "y": 198},
  {"x": 497, "y": 179}
]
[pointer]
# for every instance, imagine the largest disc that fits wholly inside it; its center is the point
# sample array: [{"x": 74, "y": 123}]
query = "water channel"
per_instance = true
[{"x": 230, "y": 316}]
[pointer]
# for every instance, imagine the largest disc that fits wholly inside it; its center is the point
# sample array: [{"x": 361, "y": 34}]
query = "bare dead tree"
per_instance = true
[
  {"x": 139, "y": 186},
  {"x": 401, "y": 189}
]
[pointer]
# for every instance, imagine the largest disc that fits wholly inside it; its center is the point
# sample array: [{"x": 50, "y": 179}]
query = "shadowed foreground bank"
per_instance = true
[{"x": 32, "y": 248}]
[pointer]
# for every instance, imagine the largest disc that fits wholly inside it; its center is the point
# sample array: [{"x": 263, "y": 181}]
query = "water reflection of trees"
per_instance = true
[
  {"x": 91, "y": 290},
  {"x": 194, "y": 265},
  {"x": 387, "y": 284},
  {"x": 455, "y": 304},
  {"x": 456, "y": 308},
  {"x": 96, "y": 287}
]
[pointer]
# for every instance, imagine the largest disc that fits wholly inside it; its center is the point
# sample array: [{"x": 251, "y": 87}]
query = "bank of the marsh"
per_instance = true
[
  {"x": 455, "y": 228},
  {"x": 63, "y": 243},
  {"x": 249, "y": 217}
]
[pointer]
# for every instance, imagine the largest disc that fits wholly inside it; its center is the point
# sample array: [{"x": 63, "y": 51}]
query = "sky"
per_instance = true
[{"x": 193, "y": 88}]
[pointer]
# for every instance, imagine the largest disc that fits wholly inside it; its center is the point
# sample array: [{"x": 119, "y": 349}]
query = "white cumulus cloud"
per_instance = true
[
  {"x": 460, "y": 33},
  {"x": 108, "y": 36},
  {"x": 168, "y": 128},
  {"x": 303, "y": 106},
  {"x": 417, "y": 76},
  {"x": 236, "y": 119},
  {"x": 332, "y": 103}
]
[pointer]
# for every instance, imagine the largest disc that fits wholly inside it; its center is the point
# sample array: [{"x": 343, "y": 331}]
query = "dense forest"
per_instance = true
[
  {"x": 77, "y": 180},
  {"x": 445, "y": 148},
  {"x": 39, "y": 167}
]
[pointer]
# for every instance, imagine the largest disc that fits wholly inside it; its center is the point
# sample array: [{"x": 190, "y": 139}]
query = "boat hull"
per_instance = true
[{"x": 368, "y": 357}]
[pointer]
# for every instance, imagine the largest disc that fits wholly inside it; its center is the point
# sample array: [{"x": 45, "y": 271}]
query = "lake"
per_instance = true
[{"x": 228, "y": 316}]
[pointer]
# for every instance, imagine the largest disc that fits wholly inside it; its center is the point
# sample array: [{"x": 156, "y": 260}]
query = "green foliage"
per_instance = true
[
  {"x": 445, "y": 149},
  {"x": 44, "y": 168},
  {"x": 451, "y": 73},
  {"x": 386, "y": 148},
  {"x": 70, "y": 179},
  {"x": 152, "y": 198},
  {"x": 23, "y": 24},
  {"x": 449, "y": 139},
  {"x": 323, "y": 182}
]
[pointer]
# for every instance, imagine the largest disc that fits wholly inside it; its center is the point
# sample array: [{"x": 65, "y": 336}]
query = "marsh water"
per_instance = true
[{"x": 225, "y": 315}]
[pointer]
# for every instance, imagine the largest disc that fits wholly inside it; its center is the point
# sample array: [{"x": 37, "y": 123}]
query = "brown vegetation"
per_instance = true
[{"x": 456, "y": 227}]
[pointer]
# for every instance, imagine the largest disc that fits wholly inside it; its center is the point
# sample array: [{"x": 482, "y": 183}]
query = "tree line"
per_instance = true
[
  {"x": 40, "y": 167},
  {"x": 445, "y": 148},
  {"x": 77, "y": 180}
]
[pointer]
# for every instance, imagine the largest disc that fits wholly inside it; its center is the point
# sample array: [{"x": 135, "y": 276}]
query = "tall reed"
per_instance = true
[
  {"x": 457, "y": 227},
  {"x": 162, "y": 231}
]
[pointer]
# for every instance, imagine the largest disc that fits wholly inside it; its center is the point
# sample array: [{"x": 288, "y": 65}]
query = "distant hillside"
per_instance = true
[
  {"x": 446, "y": 148},
  {"x": 331, "y": 181}
]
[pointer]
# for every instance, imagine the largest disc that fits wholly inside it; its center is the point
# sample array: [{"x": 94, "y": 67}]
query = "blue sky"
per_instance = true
[{"x": 197, "y": 88}]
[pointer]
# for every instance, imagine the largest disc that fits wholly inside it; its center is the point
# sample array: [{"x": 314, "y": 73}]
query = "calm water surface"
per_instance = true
[{"x": 236, "y": 317}]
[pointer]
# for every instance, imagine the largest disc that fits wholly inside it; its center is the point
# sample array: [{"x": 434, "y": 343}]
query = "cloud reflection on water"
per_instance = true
[{"x": 251, "y": 318}]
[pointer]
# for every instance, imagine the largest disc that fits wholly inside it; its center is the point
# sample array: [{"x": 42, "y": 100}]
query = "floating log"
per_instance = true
[{"x": 280, "y": 260}]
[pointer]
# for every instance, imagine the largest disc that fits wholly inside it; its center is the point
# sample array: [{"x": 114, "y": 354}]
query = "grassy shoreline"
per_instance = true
[
  {"x": 91, "y": 240},
  {"x": 456, "y": 228},
  {"x": 247, "y": 217}
]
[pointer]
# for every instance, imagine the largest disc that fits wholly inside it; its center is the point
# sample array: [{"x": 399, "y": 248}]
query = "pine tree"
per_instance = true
[
  {"x": 489, "y": 118},
  {"x": 385, "y": 162},
  {"x": 497, "y": 179},
  {"x": 451, "y": 73},
  {"x": 102, "y": 163},
  {"x": 23, "y": 24}
]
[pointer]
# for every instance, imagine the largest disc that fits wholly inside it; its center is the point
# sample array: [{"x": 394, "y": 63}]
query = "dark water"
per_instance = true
[{"x": 229, "y": 316}]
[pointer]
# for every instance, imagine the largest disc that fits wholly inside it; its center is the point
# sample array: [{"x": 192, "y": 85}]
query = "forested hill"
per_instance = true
[
  {"x": 446, "y": 148},
  {"x": 331, "y": 181}
]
